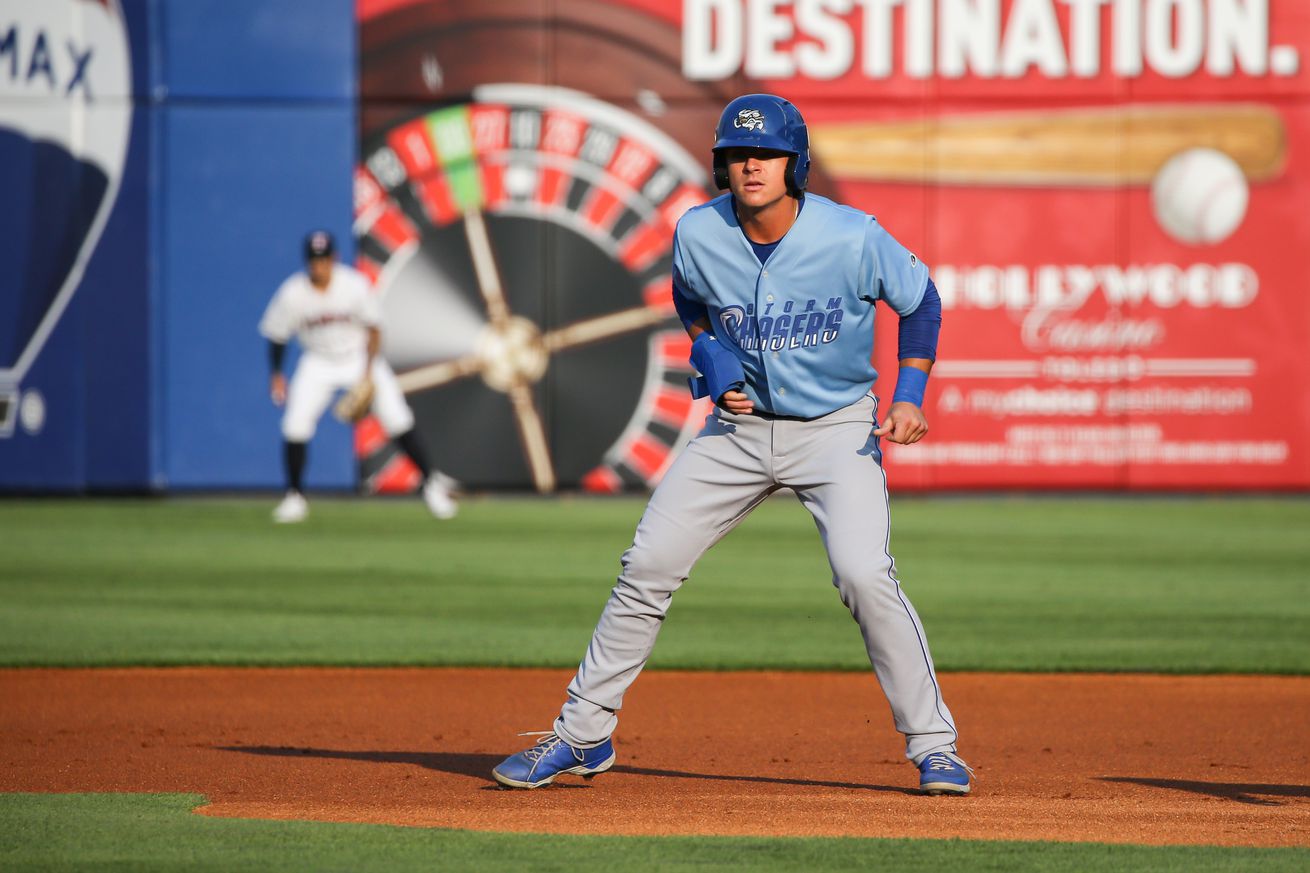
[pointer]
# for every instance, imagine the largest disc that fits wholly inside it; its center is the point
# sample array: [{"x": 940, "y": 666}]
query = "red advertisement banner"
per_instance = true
[{"x": 1111, "y": 195}]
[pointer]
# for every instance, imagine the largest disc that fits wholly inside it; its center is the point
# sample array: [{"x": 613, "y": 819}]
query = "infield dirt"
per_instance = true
[{"x": 1218, "y": 760}]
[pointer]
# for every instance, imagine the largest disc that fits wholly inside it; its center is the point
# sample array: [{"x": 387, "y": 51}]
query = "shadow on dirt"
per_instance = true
[
  {"x": 1239, "y": 791},
  {"x": 479, "y": 766}
]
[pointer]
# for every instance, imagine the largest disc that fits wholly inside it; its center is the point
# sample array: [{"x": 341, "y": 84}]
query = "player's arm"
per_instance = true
[
  {"x": 374, "y": 344},
  {"x": 277, "y": 382},
  {"x": 917, "y": 335},
  {"x": 276, "y": 326},
  {"x": 708, "y": 359}
]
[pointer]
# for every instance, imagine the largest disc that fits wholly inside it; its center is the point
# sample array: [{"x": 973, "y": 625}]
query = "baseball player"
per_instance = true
[
  {"x": 777, "y": 290},
  {"x": 332, "y": 311}
]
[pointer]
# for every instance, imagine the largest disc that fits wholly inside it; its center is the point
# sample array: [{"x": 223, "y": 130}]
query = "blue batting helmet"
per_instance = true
[{"x": 763, "y": 121}]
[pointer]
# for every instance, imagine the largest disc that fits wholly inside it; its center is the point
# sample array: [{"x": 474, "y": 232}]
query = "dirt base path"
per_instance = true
[{"x": 1120, "y": 759}]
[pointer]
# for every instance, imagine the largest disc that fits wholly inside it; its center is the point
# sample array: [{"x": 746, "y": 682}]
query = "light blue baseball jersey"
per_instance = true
[{"x": 802, "y": 322}]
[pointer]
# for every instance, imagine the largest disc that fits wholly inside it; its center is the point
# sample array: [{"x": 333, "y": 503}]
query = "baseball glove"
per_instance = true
[{"x": 355, "y": 403}]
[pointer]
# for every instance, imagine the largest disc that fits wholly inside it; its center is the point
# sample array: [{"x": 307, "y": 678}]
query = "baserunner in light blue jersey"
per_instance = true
[{"x": 778, "y": 290}]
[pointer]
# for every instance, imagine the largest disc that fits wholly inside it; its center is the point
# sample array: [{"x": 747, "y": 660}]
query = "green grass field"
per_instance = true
[
  {"x": 1176, "y": 585},
  {"x": 157, "y": 832},
  {"x": 1133, "y": 584}
]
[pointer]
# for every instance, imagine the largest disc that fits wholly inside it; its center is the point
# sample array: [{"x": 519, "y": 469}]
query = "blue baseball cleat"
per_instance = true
[
  {"x": 551, "y": 756},
  {"x": 944, "y": 773}
]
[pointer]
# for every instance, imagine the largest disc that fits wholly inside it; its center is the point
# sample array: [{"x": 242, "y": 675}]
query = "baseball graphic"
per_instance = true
[{"x": 1200, "y": 196}]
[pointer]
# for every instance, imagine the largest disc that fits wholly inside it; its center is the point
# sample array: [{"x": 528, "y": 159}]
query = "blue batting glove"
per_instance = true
[{"x": 720, "y": 370}]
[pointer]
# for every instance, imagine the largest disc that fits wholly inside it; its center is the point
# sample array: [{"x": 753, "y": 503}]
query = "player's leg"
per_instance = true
[
  {"x": 837, "y": 473},
  {"x": 308, "y": 395},
  {"x": 397, "y": 420},
  {"x": 709, "y": 489},
  {"x": 714, "y": 483},
  {"x": 413, "y": 449},
  {"x": 294, "y": 455}
]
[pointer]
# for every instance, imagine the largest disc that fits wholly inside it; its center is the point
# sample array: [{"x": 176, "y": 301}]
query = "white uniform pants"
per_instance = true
[
  {"x": 834, "y": 465},
  {"x": 318, "y": 378}
]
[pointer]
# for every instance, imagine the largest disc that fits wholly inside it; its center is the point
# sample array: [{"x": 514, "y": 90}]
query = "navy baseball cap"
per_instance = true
[{"x": 319, "y": 244}]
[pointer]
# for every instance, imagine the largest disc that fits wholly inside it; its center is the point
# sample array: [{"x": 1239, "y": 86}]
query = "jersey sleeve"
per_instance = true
[
  {"x": 680, "y": 268},
  {"x": 689, "y": 306},
  {"x": 689, "y": 311},
  {"x": 900, "y": 277},
  {"x": 369, "y": 310},
  {"x": 279, "y": 322}
]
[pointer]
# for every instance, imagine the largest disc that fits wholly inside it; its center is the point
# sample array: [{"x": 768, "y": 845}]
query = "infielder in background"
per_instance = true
[
  {"x": 777, "y": 290},
  {"x": 333, "y": 312}
]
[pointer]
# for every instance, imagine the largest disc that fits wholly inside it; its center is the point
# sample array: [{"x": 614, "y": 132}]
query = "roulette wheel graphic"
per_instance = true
[{"x": 521, "y": 170}]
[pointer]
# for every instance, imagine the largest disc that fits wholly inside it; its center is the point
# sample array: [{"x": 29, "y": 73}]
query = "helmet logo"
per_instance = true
[{"x": 750, "y": 119}]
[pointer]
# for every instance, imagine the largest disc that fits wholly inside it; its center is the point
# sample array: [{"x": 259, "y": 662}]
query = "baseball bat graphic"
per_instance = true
[{"x": 1094, "y": 146}]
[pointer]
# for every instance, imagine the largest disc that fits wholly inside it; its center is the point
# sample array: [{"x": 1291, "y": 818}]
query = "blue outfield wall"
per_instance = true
[
  {"x": 242, "y": 137},
  {"x": 234, "y": 223}
]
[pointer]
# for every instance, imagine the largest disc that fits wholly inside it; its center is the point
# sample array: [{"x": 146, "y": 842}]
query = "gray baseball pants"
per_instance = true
[{"x": 834, "y": 466}]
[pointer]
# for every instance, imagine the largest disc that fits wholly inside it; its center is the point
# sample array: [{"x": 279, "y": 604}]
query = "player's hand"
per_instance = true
[
  {"x": 737, "y": 403},
  {"x": 277, "y": 389},
  {"x": 905, "y": 424}
]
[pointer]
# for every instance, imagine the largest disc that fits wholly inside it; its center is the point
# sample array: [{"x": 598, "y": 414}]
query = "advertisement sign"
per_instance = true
[
  {"x": 1109, "y": 193},
  {"x": 67, "y": 116},
  {"x": 63, "y": 143}
]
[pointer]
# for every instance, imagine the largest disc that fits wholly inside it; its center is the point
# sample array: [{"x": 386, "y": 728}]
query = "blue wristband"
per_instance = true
[{"x": 910, "y": 383}]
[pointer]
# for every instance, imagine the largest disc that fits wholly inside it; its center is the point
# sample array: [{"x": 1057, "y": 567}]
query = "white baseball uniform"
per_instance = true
[{"x": 331, "y": 325}]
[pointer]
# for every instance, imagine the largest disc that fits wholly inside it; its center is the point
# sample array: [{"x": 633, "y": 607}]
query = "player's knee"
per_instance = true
[
  {"x": 394, "y": 421},
  {"x": 297, "y": 432},
  {"x": 856, "y": 571},
  {"x": 655, "y": 571}
]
